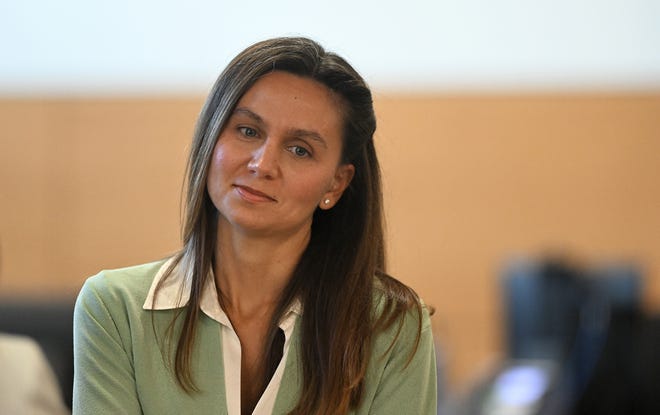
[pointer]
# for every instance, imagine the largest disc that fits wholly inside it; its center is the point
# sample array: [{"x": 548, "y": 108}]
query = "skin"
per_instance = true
[{"x": 275, "y": 162}]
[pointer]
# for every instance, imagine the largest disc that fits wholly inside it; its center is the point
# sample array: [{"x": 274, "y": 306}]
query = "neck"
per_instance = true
[{"x": 251, "y": 271}]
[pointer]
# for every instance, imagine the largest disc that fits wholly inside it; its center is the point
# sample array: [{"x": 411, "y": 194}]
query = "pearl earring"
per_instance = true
[{"x": 326, "y": 201}]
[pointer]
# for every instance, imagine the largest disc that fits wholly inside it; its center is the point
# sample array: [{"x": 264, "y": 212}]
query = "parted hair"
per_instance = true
[{"x": 344, "y": 261}]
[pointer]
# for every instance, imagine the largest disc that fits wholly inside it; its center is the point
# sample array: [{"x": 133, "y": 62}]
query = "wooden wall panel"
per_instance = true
[
  {"x": 474, "y": 181},
  {"x": 88, "y": 185},
  {"x": 469, "y": 182}
]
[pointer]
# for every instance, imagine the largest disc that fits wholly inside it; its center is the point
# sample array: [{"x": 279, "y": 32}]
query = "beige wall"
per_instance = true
[
  {"x": 472, "y": 181},
  {"x": 469, "y": 181}
]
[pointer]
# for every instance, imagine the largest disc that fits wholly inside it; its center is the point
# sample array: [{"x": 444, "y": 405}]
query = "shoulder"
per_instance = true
[
  {"x": 401, "y": 373},
  {"x": 114, "y": 297},
  {"x": 396, "y": 302},
  {"x": 20, "y": 360},
  {"x": 402, "y": 319},
  {"x": 16, "y": 345},
  {"x": 123, "y": 284}
]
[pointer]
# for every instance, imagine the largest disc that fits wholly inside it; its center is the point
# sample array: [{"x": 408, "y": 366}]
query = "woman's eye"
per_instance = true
[
  {"x": 299, "y": 151},
  {"x": 248, "y": 132}
]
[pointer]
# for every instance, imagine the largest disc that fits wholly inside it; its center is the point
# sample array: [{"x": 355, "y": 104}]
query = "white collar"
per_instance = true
[{"x": 175, "y": 293}]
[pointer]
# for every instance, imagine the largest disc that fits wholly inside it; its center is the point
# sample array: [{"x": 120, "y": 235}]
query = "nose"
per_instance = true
[{"x": 264, "y": 162}]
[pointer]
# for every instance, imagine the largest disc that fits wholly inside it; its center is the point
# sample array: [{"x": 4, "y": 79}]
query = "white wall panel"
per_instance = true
[{"x": 166, "y": 46}]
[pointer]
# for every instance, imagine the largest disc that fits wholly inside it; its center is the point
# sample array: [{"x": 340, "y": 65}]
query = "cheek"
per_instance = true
[
  {"x": 221, "y": 159},
  {"x": 216, "y": 168},
  {"x": 312, "y": 188},
  {"x": 218, "y": 154}
]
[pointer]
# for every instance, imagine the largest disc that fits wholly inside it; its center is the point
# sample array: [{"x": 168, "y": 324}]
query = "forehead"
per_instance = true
[{"x": 281, "y": 97}]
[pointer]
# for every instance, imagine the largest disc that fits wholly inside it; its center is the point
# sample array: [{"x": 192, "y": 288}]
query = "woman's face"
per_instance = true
[{"x": 278, "y": 157}]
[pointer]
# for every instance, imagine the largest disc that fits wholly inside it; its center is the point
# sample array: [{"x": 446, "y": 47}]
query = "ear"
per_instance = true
[{"x": 340, "y": 182}]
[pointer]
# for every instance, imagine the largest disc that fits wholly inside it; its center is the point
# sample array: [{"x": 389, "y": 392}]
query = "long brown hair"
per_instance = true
[{"x": 337, "y": 275}]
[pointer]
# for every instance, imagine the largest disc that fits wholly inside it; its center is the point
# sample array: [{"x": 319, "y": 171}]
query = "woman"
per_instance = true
[{"x": 278, "y": 301}]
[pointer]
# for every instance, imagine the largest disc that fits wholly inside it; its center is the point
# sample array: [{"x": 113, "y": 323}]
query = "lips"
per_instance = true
[{"x": 253, "y": 195}]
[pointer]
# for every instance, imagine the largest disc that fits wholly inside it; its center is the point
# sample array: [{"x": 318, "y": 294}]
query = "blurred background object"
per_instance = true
[
  {"x": 578, "y": 342},
  {"x": 27, "y": 383},
  {"x": 505, "y": 128},
  {"x": 49, "y": 323}
]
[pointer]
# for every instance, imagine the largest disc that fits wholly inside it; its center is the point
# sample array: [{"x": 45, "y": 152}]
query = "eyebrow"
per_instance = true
[
  {"x": 297, "y": 132},
  {"x": 313, "y": 135},
  {"x": 250, "y": 114}
]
